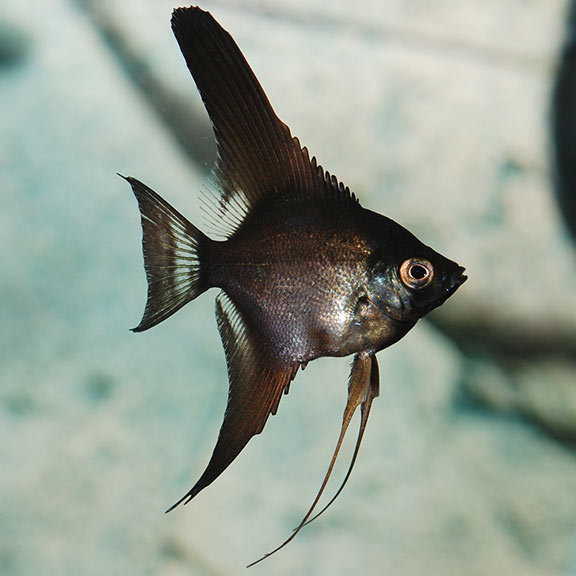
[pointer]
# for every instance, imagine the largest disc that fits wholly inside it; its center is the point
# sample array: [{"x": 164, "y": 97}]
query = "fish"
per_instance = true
[{"x": 304, "y": 271}]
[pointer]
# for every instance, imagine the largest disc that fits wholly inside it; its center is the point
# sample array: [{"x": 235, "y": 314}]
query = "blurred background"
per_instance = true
[{"x": 454, "y": 117}]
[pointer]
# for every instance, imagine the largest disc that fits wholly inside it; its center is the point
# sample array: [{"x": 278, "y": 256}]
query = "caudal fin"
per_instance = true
[{"x": 174, "y": 255}]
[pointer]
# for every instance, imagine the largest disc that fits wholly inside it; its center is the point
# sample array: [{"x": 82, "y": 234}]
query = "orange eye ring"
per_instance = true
[{"x": 416, "y": 273}]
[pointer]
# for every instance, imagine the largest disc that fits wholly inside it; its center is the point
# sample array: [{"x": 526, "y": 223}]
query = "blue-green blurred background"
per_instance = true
[{"x": 435, "y": 114}]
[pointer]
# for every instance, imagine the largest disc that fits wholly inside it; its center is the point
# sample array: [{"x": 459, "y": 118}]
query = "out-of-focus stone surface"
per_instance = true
[{"x": 435, "y": 117}]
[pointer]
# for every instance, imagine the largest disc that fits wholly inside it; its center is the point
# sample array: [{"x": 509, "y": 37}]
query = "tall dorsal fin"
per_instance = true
[{"x": 258, "y": 157}]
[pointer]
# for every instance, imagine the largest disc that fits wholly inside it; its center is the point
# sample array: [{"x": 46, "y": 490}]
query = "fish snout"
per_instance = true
[{"x": 458, "y": 278}]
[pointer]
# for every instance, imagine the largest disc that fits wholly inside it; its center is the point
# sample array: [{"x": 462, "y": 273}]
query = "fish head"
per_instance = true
[{"x": 406, "y": 283}]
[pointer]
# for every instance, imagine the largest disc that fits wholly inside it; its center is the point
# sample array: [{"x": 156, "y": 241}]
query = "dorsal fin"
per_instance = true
[{"x": 258, "y": 157}]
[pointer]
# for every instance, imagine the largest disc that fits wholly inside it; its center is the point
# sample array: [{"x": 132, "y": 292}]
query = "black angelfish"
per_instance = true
[{"x": 305, "y": 271}]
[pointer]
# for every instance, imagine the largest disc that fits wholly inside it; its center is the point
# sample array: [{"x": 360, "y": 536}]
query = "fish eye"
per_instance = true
[{"x": 416, "y": 273}]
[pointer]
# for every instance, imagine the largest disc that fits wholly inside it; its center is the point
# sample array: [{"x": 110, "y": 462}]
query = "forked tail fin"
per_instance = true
[{"x": 175, "y": 252}]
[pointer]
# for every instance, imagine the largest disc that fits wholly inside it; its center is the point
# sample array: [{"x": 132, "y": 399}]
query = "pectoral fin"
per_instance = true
[
  {"x": 363, "y": 387},
  {"x": 257, "y": 381}
]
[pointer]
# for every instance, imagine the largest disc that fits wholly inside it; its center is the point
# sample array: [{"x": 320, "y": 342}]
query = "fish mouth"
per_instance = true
[{"x": 457, "y": 279}]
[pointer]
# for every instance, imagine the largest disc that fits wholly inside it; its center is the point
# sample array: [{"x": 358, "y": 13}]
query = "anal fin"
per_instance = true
[{"x": 257, "y": 381}]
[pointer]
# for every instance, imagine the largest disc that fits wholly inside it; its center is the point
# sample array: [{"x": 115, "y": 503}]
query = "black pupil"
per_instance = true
[{"x": 418, "y": 272}]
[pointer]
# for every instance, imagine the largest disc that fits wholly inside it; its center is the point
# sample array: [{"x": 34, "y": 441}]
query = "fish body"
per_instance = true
[{"x": 304, "y": 272}]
